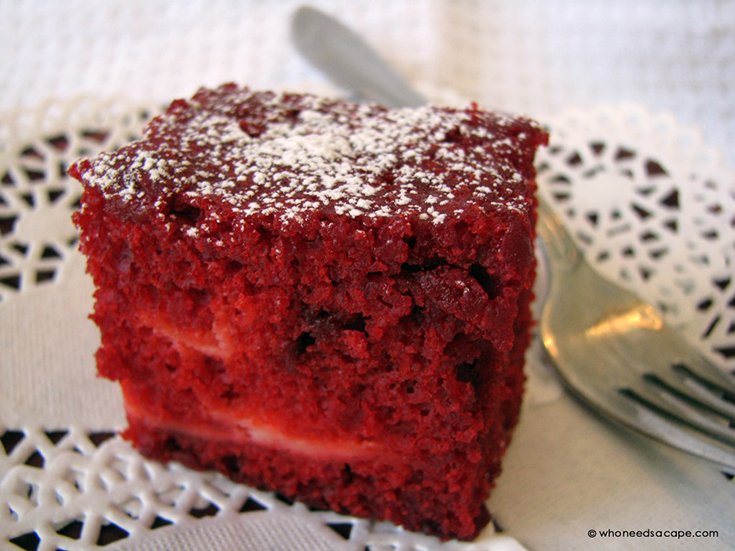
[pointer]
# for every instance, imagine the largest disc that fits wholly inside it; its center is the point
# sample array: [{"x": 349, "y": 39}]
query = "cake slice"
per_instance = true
[{"x": 325, "y": 299}]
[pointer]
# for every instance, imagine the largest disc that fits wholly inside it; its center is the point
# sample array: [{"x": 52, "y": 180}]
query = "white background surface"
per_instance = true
[{"x": 532, "y": 56}]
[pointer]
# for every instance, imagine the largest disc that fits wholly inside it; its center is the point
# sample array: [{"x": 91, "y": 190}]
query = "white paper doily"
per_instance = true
[
  {"x": 646, "y": 198},
  {"x": 654, "y": 209}
]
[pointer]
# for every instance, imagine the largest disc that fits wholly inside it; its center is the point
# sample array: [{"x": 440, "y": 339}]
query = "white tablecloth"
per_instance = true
[
  {"x": 532, "y": 56},
  {"x": 567, "y": 473}
]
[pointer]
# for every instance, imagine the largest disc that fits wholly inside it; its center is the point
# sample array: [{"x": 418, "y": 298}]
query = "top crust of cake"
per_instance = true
[{"x": 287, "y": 155}]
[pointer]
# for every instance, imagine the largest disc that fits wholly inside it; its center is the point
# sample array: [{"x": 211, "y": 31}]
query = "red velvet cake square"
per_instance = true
[{"x": 325, "y": 299}]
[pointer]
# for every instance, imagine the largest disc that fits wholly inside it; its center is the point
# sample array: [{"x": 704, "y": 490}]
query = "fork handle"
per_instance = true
[
  {"x": 348, "y": 60},
  {"x": 563, "y": 254}
]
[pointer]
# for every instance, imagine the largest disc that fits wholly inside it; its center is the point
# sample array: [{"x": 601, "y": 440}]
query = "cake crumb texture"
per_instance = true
[{"x": 321, "y": 298}]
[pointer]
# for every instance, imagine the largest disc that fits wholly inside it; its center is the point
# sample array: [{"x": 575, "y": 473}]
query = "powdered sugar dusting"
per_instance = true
[{"x": 289, "y": 154}]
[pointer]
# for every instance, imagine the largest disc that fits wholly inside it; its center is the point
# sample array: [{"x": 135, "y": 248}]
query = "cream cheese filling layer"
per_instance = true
[
  {"x": 221, "y": 426},
  {"x": 227, "y": 424}
]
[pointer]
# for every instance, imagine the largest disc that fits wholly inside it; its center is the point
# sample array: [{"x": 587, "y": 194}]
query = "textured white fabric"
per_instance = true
[
  {"x": 252, "y": 532},
  {"x": 566, "y": 472},
  {"x": 543, "y": 56},
  {"x": 532, "y": 56}
]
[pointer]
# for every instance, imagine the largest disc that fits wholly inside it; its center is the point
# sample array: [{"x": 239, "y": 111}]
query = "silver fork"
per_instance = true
[{"x": 612, "y": 349}]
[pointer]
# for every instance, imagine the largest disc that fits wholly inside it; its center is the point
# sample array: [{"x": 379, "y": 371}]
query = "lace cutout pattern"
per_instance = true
[{"x": 649, "y": 203}]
